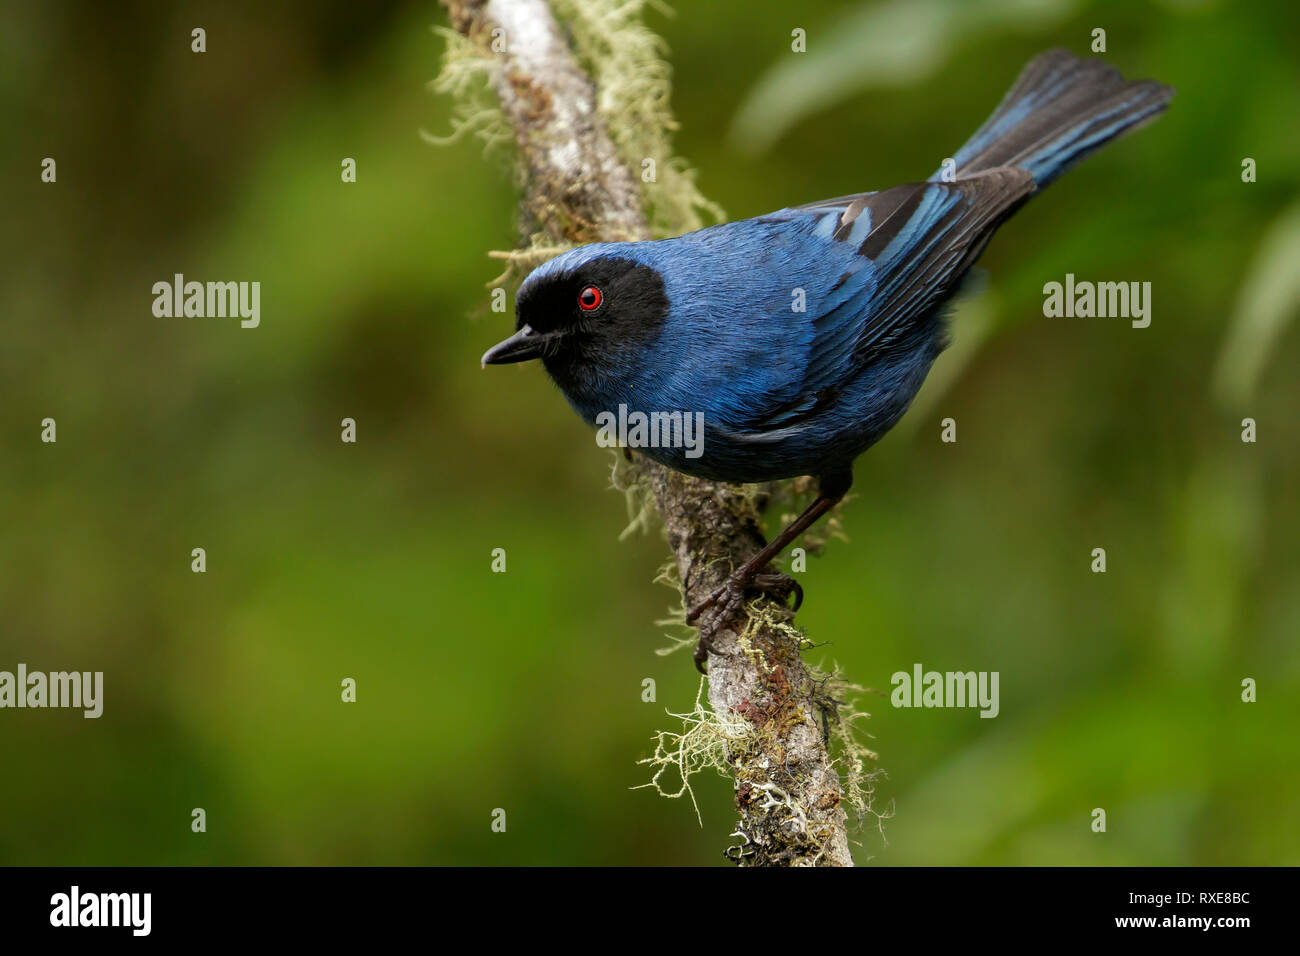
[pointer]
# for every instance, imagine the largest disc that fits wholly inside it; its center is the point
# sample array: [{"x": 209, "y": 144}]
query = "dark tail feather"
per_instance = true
[{"x": 1061, "y": 109}]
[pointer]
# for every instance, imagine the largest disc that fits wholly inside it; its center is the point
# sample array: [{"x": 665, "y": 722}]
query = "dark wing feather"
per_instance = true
[
  {"x": 918, "y": 240},
  {"x": 921, "y": 238},
  {"x": 924, "y": 239}
]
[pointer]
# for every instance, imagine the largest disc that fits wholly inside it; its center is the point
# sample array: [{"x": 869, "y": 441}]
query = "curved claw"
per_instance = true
[
  {"x": 779, "y": 584},
  {"x": 728, "y": 599}
]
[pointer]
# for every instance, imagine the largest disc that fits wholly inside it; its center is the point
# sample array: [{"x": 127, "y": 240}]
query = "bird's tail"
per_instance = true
[{"x": 1061, "y": 109}]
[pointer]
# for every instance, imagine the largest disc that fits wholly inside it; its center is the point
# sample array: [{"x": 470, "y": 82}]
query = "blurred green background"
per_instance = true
[{"x": 523, "y": 690}]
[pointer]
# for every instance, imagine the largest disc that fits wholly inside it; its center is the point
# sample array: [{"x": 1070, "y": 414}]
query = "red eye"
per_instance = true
[{"x": 590, "y": 298}]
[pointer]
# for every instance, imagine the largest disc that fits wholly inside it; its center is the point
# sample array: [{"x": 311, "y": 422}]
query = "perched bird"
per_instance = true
[{"x": 802, "y": 336}]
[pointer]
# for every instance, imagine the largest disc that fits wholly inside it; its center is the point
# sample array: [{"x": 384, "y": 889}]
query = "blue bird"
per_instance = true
[{"x": 800, "y": 337}]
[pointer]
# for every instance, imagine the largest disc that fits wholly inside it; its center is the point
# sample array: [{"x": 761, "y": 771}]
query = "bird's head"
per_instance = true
[{"x": 595, "y": 305}]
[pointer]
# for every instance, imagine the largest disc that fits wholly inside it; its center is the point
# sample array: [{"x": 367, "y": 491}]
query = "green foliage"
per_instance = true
[{"x": 873, "y": 46}]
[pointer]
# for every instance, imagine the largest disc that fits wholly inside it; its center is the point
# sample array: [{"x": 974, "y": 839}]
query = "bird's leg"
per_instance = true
[
  {"x": 748, "y": 573},
  {"x": 726, "y": 600}
]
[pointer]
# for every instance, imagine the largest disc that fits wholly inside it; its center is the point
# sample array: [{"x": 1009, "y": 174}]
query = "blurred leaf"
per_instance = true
[
  {"x": 1269, "y": 298},
  {"x": 888, "y": 44}
]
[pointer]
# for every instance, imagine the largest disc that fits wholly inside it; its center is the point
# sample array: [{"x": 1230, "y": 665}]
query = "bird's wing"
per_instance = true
[
  {"x": 922, "y": 240},
  {"x": 912, "y": 244}
]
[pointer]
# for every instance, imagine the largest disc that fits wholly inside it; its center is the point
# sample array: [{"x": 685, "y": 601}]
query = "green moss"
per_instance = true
[
  {"x": 465, "y": 75},
  {"x": 633, "y": 81},
  {"x": 836, "y": 700},
  {"x": 707, "y": 741}
]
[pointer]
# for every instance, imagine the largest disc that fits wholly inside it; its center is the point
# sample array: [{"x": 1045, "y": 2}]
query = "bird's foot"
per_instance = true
[
  {"x": 724, "y": 603},
  {"x": 729, "y": 596}
]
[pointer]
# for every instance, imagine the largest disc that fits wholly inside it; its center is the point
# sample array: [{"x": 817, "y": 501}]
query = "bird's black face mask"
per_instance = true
[{"x": 605, "y": 304}]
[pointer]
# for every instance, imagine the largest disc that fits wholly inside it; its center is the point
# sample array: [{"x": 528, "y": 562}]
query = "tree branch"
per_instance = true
[{"x": 579, "y": 190}]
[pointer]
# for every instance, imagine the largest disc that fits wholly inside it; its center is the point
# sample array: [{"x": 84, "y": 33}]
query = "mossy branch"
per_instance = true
[{"x": 578, "y": 188}]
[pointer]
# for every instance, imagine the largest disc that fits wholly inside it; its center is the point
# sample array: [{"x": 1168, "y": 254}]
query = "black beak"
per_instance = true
[{"x": 520, "y": 347}]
